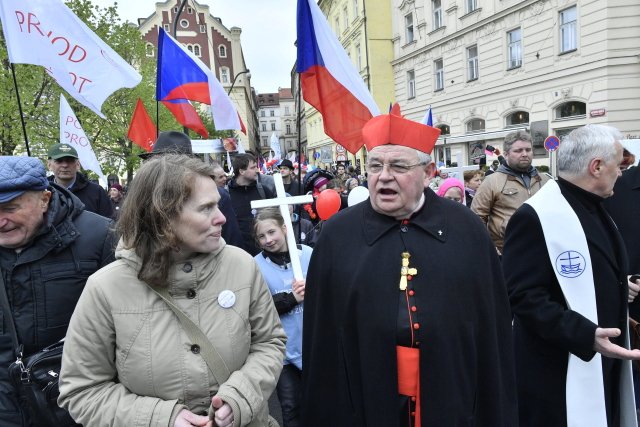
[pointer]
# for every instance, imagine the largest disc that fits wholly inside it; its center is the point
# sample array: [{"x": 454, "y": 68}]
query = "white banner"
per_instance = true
[
  {"x": 49, "y": 34},
  {"x": 275, "y": 146},
  {"x": 72, "y": 133}
]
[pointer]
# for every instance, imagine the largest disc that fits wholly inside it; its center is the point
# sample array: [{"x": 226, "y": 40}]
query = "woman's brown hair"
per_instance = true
[{"x": 155, "y": 199}]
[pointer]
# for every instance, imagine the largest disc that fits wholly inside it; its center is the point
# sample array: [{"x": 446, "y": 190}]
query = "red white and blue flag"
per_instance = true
[
  {"x": 182, "y": 75},
  {"x": 187, "y": 115},
  {"x": 428, "y": 118},
  {"x": 329, "y": 80}
]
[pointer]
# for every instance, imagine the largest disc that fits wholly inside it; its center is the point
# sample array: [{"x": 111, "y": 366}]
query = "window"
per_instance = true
[
  {"x": 408, "y": 26},
  {"x": 286, "y": 110},
  {"x": 288, "y": 128},
  {"x": 167, "y": 28},
  {"x": 175, "y": 10},
  {"x": 471, "y": 5},
  {"x": 273, "y": 126},
  {"x": 355, "y": 8},
  {"x": 517, "y": 118},
  {"x": 222, "y": 51},
  {"x": 358, "y": 57},
  {"x": 472, "y": 63},
  {"x": 196, "y": 50},
  {"x": 514, "y": 42},
  {"x": 571, "y": 109},
  {"x": 264, "y": 127},
  {"x": 272, "y": 113},
  {"x": 438, "y": 74},
  {"x": 224, "y": 75},
  {"x": 437, "y": 13},
  {"x": 568, "y": 36},
  {"x": 203, "y": 29},
  {"x": 190, "y": 48},
  {"x": 184, "y": 23},
  {"x": 444, "y": 129},
  {"x": 475, "y": 125},
  {"x": 190, "y": 11},
  {"x": 261, "y": 113},
  {"x": 345, "y": 18},
  {"x": 411, "y": 84},
  {"x": 150, "y": 49},
  {"x": 264, "y": 140},
  {"x": 337, "y": 21}
]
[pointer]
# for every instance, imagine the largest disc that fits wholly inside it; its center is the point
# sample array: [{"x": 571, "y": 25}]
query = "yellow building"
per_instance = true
[{"x": 364, "y": 30}]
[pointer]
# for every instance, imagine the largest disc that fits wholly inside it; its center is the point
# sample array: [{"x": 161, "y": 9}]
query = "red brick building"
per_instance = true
[{"x": 216, "y": 45}]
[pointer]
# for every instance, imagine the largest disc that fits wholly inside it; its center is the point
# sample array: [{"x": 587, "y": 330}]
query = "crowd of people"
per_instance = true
[{"x": 496, "y": 298}]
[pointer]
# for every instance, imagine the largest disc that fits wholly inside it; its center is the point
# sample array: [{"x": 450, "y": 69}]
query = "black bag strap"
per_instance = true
[
  {"x": 6, "y": 309},
  {"x": 212, "y": 358}
]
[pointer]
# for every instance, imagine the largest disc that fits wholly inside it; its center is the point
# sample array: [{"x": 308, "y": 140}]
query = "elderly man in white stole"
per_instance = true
[{"x": 566, "y": 270}]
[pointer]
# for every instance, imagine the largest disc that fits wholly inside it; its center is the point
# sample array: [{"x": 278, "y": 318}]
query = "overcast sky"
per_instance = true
[{"x": 268, "y": 33}]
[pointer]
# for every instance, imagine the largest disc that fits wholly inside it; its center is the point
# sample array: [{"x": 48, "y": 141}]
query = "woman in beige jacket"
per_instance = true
[{"x": 128, "y": 361}]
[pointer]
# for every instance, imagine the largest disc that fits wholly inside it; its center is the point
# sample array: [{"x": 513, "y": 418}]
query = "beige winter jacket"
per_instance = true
[
  {"x": 128, "y": 362},
  {"x": 498, "y": 197}
]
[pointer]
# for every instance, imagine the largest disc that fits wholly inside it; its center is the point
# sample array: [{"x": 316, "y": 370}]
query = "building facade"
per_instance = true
[
  {"x": 217, "y": 46},
  {"x": 363, "y": 27},
  {"x": 277, "y": 115},
  {"x": 490, "y": 67}
]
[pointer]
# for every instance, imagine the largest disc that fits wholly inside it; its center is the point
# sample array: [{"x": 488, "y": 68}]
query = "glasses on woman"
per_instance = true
[{"x": 395, "y": 168}]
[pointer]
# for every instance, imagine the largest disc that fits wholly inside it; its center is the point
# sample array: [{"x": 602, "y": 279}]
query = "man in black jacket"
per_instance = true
[
  {"x": 245, "y": 187},
  {"x": 64, "y": 163},
  {"x": 566, "y": 270},
  {"x": 49, "y": 245}
]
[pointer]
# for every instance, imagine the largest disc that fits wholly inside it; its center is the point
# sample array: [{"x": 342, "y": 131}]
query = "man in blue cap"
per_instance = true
[{"x": 49, "y": 245}]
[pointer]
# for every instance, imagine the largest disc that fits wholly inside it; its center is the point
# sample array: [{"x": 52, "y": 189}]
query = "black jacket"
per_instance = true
[
  {"x": 94, "y": 198},
  {"x": 351, "y": 320},
  {"x": 624, "y": 208},
  {"x": 545, "y": 330},
  {"x": 44, "y": 282},
  {"x": 241, "y": 198}
]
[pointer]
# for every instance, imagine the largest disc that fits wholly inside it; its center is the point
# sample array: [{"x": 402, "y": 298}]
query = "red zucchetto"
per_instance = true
[{"x": 394, "y": 129}]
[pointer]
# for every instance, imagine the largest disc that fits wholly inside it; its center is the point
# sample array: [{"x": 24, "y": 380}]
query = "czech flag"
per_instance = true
[
  {"x": 428, "y": 118},
  {"x": 329, "y": 80},
  {"x": 186, "y": 115},
  {"x": 182, "y": 75}
]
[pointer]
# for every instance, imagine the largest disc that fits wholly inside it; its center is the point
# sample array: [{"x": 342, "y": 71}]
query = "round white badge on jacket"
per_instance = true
[{"x": 226, "y": 299}]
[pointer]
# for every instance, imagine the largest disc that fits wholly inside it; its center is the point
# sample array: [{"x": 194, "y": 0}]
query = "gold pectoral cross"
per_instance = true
[{"x": 405, "y": 270}]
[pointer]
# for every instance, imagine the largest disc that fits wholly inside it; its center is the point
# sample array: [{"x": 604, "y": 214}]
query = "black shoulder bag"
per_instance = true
[{"x": 36, "y": 376}]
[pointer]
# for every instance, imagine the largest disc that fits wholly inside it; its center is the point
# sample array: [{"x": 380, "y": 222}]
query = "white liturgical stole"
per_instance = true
[{"x": 571, "y": 262}]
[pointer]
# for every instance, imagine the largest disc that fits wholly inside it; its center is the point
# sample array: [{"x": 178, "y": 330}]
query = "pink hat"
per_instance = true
[
  {"x": 449, "y": 183},
  {"x": 319, "y": 182}
]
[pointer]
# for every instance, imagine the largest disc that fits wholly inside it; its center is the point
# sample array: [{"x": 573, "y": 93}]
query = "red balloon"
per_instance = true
[{"x": 327, "y": 203}]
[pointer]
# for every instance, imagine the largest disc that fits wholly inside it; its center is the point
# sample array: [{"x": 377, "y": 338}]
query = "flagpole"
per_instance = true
[
  {"x": 298, "y": 124},
  {"x": 24, "y": 126}
]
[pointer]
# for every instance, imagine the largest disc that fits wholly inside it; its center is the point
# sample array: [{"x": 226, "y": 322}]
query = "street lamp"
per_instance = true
[{"x": 236, "y": 78}]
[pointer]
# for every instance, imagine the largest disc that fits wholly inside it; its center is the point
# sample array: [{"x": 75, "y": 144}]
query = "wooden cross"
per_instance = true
[
  {"x": 405, "y": 270},
  {"x": 283, "y": 202}
]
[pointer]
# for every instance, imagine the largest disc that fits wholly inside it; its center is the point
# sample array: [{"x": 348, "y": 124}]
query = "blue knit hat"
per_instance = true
[{"x": 20, "y": 174}]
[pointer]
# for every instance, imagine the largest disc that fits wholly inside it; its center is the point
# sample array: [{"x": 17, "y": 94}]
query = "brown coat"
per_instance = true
[{"x": 498, "y": 197}]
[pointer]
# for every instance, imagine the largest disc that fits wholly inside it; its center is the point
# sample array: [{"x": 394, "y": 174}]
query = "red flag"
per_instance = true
[
  {"x": 142, "y": 131},
  {"x": 243, "y": 129},
  {"x": 186, "y": 115}
]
